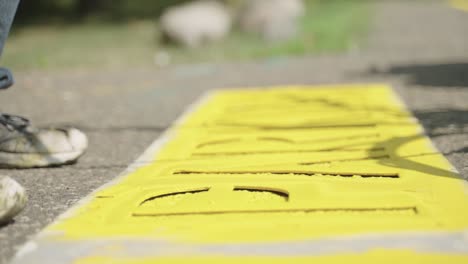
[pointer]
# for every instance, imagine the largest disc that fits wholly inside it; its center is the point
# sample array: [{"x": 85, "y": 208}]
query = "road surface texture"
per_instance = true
[{"x": 419, "y": 47}]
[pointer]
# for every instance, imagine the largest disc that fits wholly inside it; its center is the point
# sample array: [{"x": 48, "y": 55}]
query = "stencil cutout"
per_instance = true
[
  {"x": 297, "y": 173},
  {"x": 265, "y": 190}
]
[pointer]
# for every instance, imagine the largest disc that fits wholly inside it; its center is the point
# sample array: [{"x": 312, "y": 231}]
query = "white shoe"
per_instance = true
[
  {"x": 12, "y": 199},
  {"x": 23, "y": 146}
]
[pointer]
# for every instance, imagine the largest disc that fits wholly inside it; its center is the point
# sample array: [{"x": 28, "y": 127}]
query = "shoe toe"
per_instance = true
[
  {"x": 77, "y": 139},
  {"x": 12, "y": 199}
]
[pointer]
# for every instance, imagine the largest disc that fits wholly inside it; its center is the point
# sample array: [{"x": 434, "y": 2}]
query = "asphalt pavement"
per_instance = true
[{"x": 419, "y": 47}]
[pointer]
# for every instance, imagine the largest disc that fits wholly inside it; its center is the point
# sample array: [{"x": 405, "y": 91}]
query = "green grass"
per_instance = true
[{"x": 330, "y": 26}]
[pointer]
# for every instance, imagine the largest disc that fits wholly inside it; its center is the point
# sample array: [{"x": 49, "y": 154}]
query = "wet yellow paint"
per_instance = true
[
  {"x": 283, "y": 164},
  {"x": 460, "y": 4}
]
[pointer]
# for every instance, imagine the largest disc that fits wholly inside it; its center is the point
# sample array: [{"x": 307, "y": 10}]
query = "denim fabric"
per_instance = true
[
  {"x": 6, "y": 78},
  {"x": 7, "y": 13}
]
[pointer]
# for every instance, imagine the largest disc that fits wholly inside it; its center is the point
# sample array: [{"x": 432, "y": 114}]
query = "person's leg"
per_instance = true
[
  {"x": 24, "y": 146},
  {"x": 21, "y": 145},
  {"x": 7, "y": 13},
  {"x": 12, "y": 195}
]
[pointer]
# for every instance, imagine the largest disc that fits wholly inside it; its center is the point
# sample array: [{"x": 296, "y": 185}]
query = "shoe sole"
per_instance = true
[{"x": 37, "y": 160}]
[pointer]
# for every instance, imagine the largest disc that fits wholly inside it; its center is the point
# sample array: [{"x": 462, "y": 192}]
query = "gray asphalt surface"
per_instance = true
[{"x": 420, "y": 47}]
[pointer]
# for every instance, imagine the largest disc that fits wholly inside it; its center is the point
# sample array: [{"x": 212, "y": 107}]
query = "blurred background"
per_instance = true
[{"x": 70, "y": 34}]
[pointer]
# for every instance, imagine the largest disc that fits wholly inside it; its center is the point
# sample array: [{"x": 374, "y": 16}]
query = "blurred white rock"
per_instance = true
[
  {"x": 273, "y": 20},
  {"x": 196, "y": 23}
]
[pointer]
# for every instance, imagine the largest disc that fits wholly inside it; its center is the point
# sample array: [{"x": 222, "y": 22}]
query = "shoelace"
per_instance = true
[{"x": 12, "y": 122}]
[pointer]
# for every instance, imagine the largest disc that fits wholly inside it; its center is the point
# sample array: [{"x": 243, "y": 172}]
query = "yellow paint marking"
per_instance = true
[
  {"x": 378, "y": 256},
  {"x": 281, "y": 165},
  {"x": 460, "y": 4}
]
